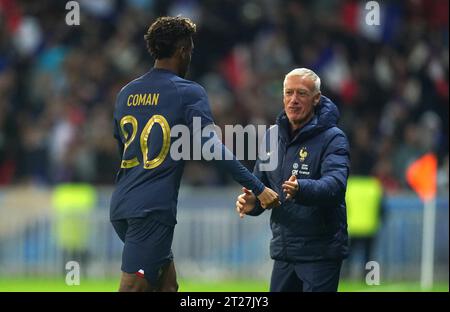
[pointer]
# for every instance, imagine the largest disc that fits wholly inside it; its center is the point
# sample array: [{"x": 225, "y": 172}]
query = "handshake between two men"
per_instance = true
[{"x": 268, "y": 199}]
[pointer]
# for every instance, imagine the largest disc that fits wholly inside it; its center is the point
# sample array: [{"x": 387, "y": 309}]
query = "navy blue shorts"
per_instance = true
[
  {"x": 147, "y": 250},
  {"x": 317, "y": 276}
]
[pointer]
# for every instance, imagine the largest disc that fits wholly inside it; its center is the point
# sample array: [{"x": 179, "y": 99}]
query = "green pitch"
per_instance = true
[{"x": 110, "y": 285}]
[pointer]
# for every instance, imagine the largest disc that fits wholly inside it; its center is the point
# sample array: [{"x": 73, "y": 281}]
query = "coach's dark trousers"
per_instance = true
[{"x": 318, "y": 276}]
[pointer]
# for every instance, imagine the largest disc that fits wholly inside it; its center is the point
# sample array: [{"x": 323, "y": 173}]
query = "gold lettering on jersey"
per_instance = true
[{"x": 143, "y": 99}]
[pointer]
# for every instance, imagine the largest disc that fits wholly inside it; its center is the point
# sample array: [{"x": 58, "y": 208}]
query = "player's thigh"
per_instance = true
[
  {"x": 133, "y": 283},
  {"x": 147, "y": 250},
  {"x": 168, "y": 281}
]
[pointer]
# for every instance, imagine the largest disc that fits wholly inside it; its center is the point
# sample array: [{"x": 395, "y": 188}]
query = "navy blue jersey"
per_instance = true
[{"x": 146, "y": 110}]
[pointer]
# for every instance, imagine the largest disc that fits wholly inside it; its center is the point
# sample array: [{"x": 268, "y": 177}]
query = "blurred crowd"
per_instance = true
[{"x": 58, "y": 83}]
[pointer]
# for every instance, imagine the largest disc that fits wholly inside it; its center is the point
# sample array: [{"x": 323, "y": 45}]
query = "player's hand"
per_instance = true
[
  {"x": 269, "y": 199},
  {"x": 245, "y": 202},
  {"x": 290, "y": 187}
]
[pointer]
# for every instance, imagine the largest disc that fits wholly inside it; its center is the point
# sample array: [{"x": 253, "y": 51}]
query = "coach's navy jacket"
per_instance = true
[{"x": 313, "y": 225}]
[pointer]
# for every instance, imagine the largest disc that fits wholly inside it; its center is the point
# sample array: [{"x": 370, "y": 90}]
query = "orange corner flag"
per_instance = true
[{"x": 422, "y": 175}]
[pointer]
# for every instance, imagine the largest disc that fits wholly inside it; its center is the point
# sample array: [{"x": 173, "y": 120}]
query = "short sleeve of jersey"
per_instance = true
[{"x": 196, "y": 104}]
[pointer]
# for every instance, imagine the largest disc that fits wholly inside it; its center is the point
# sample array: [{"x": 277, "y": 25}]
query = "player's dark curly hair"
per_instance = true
[{"x": 167, "y": 33}]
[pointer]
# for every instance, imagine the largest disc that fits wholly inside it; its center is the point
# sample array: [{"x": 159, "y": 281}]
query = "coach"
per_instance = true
[{"x": 310, "y": 227}]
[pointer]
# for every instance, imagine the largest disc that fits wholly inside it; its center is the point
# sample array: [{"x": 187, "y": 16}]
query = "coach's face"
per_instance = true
[{"x": 300, "y": 99}]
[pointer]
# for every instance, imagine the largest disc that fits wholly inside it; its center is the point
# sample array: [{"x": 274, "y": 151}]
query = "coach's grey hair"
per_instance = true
[{"x": 305, "y": 72}]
